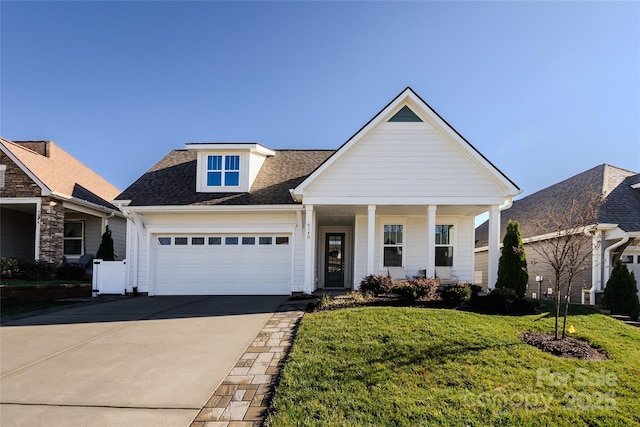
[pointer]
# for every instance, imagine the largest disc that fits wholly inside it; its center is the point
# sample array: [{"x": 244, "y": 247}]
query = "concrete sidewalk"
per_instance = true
[{"x": 135, "y": 361}]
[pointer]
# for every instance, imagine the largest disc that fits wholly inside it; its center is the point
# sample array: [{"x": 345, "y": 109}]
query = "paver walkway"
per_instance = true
[{"x": 243, "y": 397}]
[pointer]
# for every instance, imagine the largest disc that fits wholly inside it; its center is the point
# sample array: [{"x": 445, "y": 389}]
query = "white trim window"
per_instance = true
[
  {"x": 73, "y": 241},
  {"x": 223, "y": 170},
  {"x": 444, "y": 245},
  {"x": 393, "y": 245}
]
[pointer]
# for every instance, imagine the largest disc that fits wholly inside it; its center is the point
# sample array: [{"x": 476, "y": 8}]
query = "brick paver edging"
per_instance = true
[{"x": 243, "y": 397}]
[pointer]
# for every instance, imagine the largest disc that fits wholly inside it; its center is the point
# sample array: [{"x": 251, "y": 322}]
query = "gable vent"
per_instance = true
[{"x": 405, "y": 115}]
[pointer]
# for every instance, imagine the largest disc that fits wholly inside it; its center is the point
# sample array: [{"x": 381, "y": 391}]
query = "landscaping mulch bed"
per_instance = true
[{"x": 570, "y": 347}]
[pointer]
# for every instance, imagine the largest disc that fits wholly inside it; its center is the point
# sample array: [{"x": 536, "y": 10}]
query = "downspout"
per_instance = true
[
  {"x": 138, "y": 224},
  {"x": 607, "y": 273}
]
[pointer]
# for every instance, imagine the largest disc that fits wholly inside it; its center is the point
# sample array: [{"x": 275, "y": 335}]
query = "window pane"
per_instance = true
[
  {"x": 214, "y": 163},
  {"x": 72, "y": 229},
  {"x": 444, "y": 256},
  {"x": 232, "y": 179},
  {"x": 215, "y": 240},
  {"x": 164, "y": 241},
  {"x": 197, "y": 240},
  {"x": 393, "y": 256},
  {"x": 444, "y": 234},
  {"x": 393, "y": 234},
  {"x": 282, "y": 240},
  {"x": 232, "y": 163},
  {"x": 230, "y": 240},
  {"x": 180, "y": 241},
  {"x": 214, "y": 179},
  {"x": 248, "y": 240},
  {"x": 265, "y": 240},
  {"x": 73, "y": 247}
]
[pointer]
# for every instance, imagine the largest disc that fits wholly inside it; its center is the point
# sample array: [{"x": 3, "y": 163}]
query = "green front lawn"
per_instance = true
[{"x": 415, "y": 366}]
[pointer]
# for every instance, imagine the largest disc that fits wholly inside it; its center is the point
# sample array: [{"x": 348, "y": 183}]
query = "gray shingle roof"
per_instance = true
[
  {"x": 621, "y": 205},
  {"x": 172, "y": 181}
]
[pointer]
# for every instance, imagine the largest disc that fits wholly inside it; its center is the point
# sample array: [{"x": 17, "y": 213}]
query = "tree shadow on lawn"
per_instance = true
[{"x": 415, "y": 356}]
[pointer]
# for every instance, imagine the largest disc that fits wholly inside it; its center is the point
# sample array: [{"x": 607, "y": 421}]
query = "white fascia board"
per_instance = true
[
  {"x": 417, "y": 200},
  {"x": 215, "y": 208},
  {"x": 252, "y": 147},
  {"x": 45, "y": 191},
  {"x": 85, "y": 206}
]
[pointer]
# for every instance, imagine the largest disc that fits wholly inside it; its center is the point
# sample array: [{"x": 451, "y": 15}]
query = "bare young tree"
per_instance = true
[{"x": 566, "y": 244}]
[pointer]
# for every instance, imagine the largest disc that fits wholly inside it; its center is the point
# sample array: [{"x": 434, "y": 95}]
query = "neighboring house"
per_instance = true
[
  {"x": 617, "y": 236},
  {"x": 240, "y": 218},
  {"x": 52, "y": 207}
]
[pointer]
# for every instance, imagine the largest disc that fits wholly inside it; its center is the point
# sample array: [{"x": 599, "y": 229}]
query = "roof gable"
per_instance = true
[
  {"x": 57, "y": 171},
  {"x": 403, "y": 111}
]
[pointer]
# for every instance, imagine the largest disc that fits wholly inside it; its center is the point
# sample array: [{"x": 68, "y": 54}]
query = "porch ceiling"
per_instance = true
[{"x": 29, "y": 208}]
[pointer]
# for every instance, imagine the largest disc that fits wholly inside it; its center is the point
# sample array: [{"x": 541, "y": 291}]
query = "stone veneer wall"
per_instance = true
[
  {"x": 16, "y": 182},
  {"x": 51, "y": 230}
]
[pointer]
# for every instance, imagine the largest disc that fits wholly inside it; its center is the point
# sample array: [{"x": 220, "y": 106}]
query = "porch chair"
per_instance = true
[
  {"x": 397, "y": 274},
  {"x": 444, "y": 274}
]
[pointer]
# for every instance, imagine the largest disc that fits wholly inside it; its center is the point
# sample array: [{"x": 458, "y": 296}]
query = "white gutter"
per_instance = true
[
  {"x": 82, "y": 202},
  {"x": 607, "y": 272}
]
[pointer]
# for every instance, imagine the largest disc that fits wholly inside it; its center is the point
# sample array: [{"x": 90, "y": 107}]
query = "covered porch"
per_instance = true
[
  {"x": 53, "y": 230},
  {"x": 344, "y": 243}
]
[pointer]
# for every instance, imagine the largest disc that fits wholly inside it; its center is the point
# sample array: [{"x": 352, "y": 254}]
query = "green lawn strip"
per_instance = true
[{"x": 416, "y": 366}]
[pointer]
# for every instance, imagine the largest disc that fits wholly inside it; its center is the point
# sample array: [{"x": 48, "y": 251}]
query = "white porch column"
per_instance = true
[
  {"x": 494, "y": 245},
  {"x": 309, "y": 250},
  {"x": 371, "y": 236},
  {"x": 431, "y": 241}
]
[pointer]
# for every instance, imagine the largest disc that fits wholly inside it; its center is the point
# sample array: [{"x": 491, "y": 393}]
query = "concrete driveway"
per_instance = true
[{"x": 145, "y": 361}]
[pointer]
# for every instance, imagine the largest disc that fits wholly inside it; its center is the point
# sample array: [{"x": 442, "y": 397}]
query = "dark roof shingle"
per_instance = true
[
  {"x": 172, "y": 181},
  {"x": 621, "y": 205}
]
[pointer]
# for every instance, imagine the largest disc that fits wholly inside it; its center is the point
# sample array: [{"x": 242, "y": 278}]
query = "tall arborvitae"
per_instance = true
[
  {"x": 621, "y": 293},
  {"x": 512, "y": 267}
]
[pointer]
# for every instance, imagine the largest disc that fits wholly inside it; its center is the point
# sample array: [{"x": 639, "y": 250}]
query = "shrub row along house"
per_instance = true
[
  {"x": 240, "y": 218},
  {"x": 616, "y": 236},
  {"x": 53, "y": 207}
]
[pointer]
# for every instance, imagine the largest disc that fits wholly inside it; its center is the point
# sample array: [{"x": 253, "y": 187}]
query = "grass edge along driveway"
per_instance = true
[{"x": 417, "y": 366}]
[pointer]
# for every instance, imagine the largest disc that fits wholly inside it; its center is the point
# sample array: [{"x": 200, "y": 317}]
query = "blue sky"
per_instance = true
[{"x": 544, "y": 90}]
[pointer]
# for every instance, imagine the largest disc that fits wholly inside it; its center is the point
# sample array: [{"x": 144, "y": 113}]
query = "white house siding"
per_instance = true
[
  {"x": 415, "y": 249},
  {"x": 255, "y": 163},
  {"x": 206, "y": 225},
  {"x": 92, "y": 232},
  {"x": 406, "y": 160},
  {"x": 118, "y": 227}
]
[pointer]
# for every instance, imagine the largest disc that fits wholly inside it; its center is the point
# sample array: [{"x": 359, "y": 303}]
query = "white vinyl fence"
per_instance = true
[{"x": 108, "y": 277}]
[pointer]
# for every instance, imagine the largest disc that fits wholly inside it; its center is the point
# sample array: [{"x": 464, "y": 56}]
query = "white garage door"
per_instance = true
[{"x": 257, "y": 264}]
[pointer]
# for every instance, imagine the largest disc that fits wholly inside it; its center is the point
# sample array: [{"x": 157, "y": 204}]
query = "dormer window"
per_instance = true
[
  {"x": 228, "y": 167},
  {"x": 223, "y": 171}
]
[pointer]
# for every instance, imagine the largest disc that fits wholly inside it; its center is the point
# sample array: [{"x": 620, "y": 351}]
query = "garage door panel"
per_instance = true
[{"x": 222, "y": 269}]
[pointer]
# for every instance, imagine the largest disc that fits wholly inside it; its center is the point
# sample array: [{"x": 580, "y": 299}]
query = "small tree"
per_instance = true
[
  {"x": 569, "y": 244},
  {"x": 105, "y": 250},
  {"x": 512, "y": 267},
  {"x": 621, "y": 293}
]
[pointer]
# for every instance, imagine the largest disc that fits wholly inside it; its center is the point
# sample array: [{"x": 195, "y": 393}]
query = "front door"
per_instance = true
[{"x": 334, "y": 260}]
